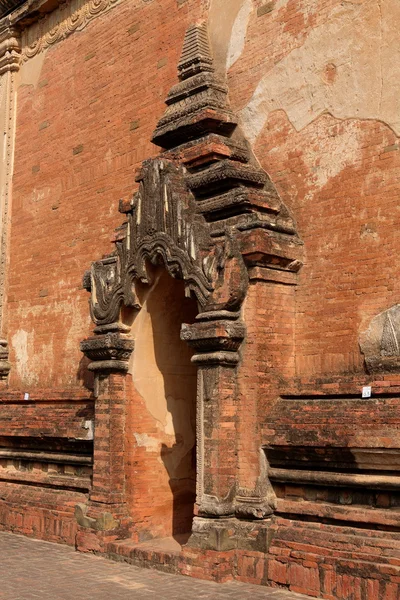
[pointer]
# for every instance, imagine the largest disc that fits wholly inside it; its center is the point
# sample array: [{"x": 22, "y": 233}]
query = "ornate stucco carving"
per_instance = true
[
  {"x": 10, "y": 50},
  {"x": 108, "y": 352},
  {"x": 203, "y": 209},
  {"x": 9, "y": 64},
  {"x": 56, "y": 26},
  {"x": 380, "y": 343},
  {"x": 208, "y": 213}
]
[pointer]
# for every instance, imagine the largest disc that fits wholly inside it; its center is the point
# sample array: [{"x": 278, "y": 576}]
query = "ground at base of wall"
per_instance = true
[
  {"x": 322, "y": 561},
  {"x": 57, "y": 571},
  {"x": 334, "y": 562}
]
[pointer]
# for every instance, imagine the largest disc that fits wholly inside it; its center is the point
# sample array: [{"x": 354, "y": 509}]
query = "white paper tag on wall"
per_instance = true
[{"x": 366, "y": 391}]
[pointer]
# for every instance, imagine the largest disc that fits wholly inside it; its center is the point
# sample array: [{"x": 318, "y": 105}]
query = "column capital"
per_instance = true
[
  {"x": 4, "y": 364},
  {"x": 108, "y": 351},
  {"x": 214, "y": 341},
  {"x": 10, "y": 49}
]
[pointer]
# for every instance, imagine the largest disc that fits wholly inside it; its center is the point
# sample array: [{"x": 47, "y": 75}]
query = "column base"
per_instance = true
[
  {"x": 224, "y": 534},
  {"x": 99, "y": 524}
]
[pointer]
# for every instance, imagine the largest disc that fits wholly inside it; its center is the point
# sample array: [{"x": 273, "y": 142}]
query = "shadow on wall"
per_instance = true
[
  {"x": 168, "y": 309},
  {"x": 83, "y": 374}
]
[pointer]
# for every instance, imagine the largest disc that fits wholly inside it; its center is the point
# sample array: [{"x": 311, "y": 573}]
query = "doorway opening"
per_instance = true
[{"x": 162, "y": 413}]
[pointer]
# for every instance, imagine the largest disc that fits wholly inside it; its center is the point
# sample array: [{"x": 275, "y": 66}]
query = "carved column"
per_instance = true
[
  {"x": 216, "y": 342},
  {"x": 10, "y": 50},
  {"x": 216, "y": 338}
]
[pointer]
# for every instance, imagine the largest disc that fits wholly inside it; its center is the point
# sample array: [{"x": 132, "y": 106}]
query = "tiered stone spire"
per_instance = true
[
  {"x": 200, "y": 130},
  {"x": 197, "y": 105},
  {"x": 196, "y": 54}
]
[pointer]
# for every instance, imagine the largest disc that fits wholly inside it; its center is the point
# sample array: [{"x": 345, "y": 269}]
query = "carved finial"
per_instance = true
[{"x": 196, "y": 54}]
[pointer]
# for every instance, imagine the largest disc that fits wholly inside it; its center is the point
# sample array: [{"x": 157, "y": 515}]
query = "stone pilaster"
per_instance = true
[
  {"x": 216, "y": 338},
  {"x": 216, "y": 342},
  {"x": 10, "y": 50}
]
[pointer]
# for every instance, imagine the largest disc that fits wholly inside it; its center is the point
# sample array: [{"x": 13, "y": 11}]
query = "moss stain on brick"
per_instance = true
[
  {"x": 134, "y": 28},
  {"x": 77, "y": 149},
  {"x": 265, "y": 9},
  {"x": 162, "y": 62}
]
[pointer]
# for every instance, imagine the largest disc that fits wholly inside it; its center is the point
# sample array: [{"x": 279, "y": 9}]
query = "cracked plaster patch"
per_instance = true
[
  {"x": 227, "y": 27},
  {"x": 337, "y": 152},
  {"x": 146, "y": 441},
  {"x": 21, "y": 341},
  {"x": 348, "y": 66},
  {"x": 238, "y": 36}
]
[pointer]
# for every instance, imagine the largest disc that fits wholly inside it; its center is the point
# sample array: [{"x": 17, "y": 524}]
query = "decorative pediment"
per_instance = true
[
  {"x": 203, "y": 208},
  {"x": 164, "y": 227}
]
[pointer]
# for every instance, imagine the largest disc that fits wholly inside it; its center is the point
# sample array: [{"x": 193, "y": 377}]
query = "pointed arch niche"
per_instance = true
[
  {"x": 161, "y": 412},
  {"x": 209, "y": 222}
]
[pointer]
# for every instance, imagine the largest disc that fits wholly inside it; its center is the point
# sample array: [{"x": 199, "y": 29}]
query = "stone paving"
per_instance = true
[{"x": 31, "y": 569}]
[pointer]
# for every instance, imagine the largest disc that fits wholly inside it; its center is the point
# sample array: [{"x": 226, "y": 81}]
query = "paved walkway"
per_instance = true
[{"x": 30, "y": 569}]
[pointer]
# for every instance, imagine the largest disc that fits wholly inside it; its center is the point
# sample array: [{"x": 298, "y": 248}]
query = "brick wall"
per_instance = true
[
  {"x": 83, "y": 127},
  {"x": 317, "y": 102}
]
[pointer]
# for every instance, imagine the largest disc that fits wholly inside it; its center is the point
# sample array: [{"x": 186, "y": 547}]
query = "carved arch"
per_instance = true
[
  {"x": 163, "y": 226},
  {"x": 213, "y": 218},
  {"x": 202, "y": 208}
]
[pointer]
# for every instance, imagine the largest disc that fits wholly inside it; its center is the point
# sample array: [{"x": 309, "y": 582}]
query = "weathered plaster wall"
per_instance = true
[
  {"x": 336, "y": 57},
  {"x": 343, "y": 65},
  {"x": 316, "y": 85},
  {"x": 93, "y": 84},
  {"x": 227, "y": 28}
]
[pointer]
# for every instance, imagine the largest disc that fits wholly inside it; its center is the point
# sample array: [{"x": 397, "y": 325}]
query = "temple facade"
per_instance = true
[{"x": 199, "y": 314}]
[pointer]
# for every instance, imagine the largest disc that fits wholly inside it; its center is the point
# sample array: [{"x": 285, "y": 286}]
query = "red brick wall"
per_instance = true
[
  {"x": 39, "y": 512},
  {"x": 267, "y": 361},
  {"x": 349, "y": 274},
  {"x": 86, "y": 125},
  {"x": 349, "y": 222},
  {"x": 81, "y": 132}
]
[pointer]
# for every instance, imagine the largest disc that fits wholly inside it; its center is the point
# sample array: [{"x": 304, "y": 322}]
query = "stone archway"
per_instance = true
[{"x": 213, "y": 219}]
